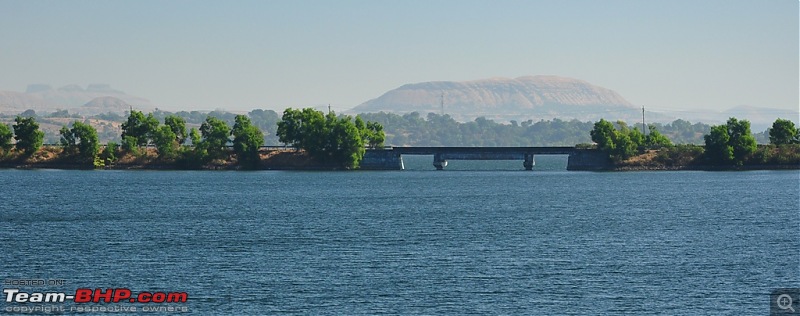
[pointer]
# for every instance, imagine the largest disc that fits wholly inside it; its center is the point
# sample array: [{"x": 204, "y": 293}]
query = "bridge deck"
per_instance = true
[{"x": 484, "y": 150}]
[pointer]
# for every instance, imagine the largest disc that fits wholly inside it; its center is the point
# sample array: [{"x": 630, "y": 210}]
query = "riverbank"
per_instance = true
[
  {"x": 52, "y": 157},
  {"x": 688, "y": 157},
  {"x": 667, "y": 159}
]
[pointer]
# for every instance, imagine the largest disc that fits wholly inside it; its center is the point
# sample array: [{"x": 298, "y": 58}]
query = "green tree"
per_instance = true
[
  {"x": 215, "y": 136},
  {"x": 109, "y": 154},
  {"x": 637, "y": 138},
  {"x": 80, "y": 140},
  {"x": 345, "y": 146},
  {"x": 296, "y": 123},
  {"x": 741, "y": 139},
  {"x": 624, "y": 147},
  {"x": 140, "y": 127},
  {"x": 333, "y": 140},
  {"x": 130, "y": 145},
  {"x": 371, "y": 132},
  {"x": 362, "y": 127},
  {"x": 198, "y": 154},
  {"x": 376, "y": 135},
  {"x": 655, "y": 139},
  {"x": 783, "y": 132},
  {"x": 166, "y": 142},
  {"x": 178, "y": 126},
  {"x": 717, "y": 145},
  {"x": 622, "y": 142},
  {"x": 603, "y": 135},
  {"x": 29, "y": 137},
  {"x": 67, "y": 140},
  {"x": 247, "y": 139},
  {"x": 5, "y": 138},
  {"x": 195, "y": 136},
  {"x": 289, "y": 127}
]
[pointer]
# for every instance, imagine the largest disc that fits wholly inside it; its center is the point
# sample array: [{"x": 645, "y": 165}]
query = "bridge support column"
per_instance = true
[
  {"x": 439, "y": 162},
  {"x": 529, "y": 162}
]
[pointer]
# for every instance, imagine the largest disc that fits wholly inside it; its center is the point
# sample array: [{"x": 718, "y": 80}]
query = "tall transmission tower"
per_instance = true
[{"x": 644, "y": 127}]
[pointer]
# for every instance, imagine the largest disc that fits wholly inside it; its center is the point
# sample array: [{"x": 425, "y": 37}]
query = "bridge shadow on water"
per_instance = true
[{"x": 543, "y": 163}]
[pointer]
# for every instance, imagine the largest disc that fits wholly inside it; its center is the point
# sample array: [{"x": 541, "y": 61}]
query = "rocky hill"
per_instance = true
[{"x": 534, "y": 97}]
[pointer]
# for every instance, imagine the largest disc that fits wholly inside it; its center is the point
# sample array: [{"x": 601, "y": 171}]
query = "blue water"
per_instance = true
[{"x": 412, "y": 242}]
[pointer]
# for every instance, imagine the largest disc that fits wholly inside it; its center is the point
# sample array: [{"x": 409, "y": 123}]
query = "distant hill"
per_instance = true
[
  {"x": 503, "y": 99},
  {"x": 43, "y": 98},
  {"x": 104, "y": 105},
  {"x": 543, "y": 98}
]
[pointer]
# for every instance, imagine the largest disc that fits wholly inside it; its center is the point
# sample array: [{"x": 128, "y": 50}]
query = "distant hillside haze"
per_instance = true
[
  {"x": 503, "y": 98},
  {"x": 94, "y": 99},
  {"x": 500, "y": 99}
]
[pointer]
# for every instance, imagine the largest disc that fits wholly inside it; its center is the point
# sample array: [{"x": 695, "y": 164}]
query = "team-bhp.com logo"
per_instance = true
[
  {"x": 98, "y": 295},
  {"x": 95, "y": 296}
]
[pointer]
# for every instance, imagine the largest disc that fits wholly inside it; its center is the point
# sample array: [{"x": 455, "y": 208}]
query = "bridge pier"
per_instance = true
[
  {"x": 439, "y": 162},
  {"x": 529, "y": 162}
]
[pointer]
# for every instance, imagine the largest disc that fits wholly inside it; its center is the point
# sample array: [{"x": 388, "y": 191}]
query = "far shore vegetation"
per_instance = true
[{"x": 311, "y": 139}]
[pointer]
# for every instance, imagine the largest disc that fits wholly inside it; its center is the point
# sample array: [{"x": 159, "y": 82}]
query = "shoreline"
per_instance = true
[
  {"x": 309, "y": 165},
  {"x": 51, "y": 157},
  {"x": 705, "y": 168}
]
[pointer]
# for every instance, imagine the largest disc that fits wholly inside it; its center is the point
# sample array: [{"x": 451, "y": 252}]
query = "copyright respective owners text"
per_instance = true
[
  {"x": 784, "y": 301},
  {"x": 59, "y": 296}
]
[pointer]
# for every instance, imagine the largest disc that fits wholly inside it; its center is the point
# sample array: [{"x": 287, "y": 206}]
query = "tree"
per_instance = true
[
  {"x": 177, "y": 125},
  {"x": 624, "y": 147},
  {"x": 371, "y": 132},
  {"x": 289, "y": 128},
  {"x": 109, "y": 154},
  {"x": 376, "y": 135},
  {"x": 140, "y": 127},
  {"x": 330, "y": 139},
  {"x": 130, "y": 145},
  {"x": 362, "y": 127},
  {"x": 717, "y": 147},
  {"x": 66, "y": 140},
  {"x": 195, "y": 137},
  {"x": 198, "y": 155},
  {"x": 247, "y": 139},
  {"x": 346, "y": 148},
  {"x": 215, "y": 136},
  {"x": 166, "y": 142},
  {"x": 29, "y": 137},
  {"x": 783, "y": 132},
  {"x": 623, "y": 142},
  {"x": 655, "y": 139},
  {"x": 741, "y": 139},
  {"x": 602, "y": 134},
  {"x": 81, "y": 140},
  {"x": 5, "y": 138},
  {"x": 637, "y": 138}
]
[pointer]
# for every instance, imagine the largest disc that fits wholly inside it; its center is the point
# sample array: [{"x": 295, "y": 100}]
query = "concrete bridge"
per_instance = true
[{"x": 392, "y": 158}]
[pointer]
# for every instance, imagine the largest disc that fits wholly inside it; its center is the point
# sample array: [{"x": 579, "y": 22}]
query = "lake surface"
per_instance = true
[{"x": 412, "y": 242}]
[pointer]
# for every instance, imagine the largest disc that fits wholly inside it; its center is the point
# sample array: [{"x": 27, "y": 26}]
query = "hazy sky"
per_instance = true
[{"x": 239, "y": 55}]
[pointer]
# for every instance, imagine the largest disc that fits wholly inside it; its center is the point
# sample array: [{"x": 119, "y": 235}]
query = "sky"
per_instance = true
[{"x": 695, "y": 55}]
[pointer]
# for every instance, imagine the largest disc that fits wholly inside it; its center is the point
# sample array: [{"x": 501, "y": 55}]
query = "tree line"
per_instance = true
[
  {"x": 337, "y": 141},
  {"x": 728, "y": 144},
  {"x": 412, "y": 129},
  {"x": 340, "y": 140}
]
